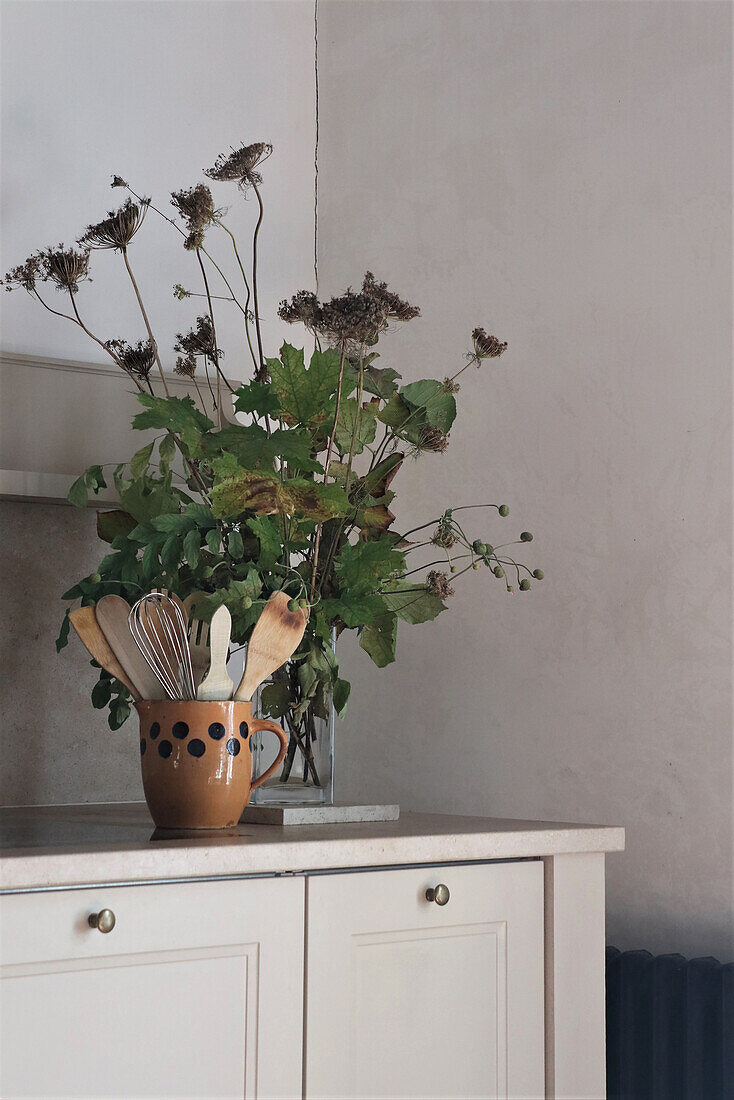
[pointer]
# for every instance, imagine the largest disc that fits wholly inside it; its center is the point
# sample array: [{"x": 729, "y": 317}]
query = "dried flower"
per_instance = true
[
  {"x": 433, "y": 439},
  {"x": 24, "y": 274},
  {"x": 185, "y": 366},
  {"x": 438, "y": 585},
  {"x": 303, "y": 308},
  {"x": 180, "y": 292},
  {"x": 486, "y": 347},
  {"x": 138, "y": 359},
  {"x": 65, "y": 267},
  {"x": 444, "y": 535},
  {"x": 393, "y": 307},
  {"x": 118, "y": 228},
  {"x": 118, "y": 181},
  {"x": 198, "y": 341},
  {"x": 350, "y": 316},
  {"x": 449, "y": 386},
  {"x": 196, "y": 206},
  {"x": 240, "y": 165}
]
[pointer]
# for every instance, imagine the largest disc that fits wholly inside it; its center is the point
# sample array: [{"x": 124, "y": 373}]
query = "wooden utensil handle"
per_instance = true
[{"x": 263, "y": 724}]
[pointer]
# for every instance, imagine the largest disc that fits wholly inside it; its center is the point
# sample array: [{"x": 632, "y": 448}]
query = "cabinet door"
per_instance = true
[
  {"x": 406, "y": 998},
  {"x": 196, "y": 992}
]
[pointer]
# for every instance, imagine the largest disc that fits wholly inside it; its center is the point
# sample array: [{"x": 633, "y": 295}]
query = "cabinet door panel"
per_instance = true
[
  {"x": 408, "y": 999},
  {"x": 198, "y": 1010}
]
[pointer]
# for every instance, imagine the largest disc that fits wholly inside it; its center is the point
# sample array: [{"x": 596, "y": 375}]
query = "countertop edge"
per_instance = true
[{"x": 52, "y": 870}]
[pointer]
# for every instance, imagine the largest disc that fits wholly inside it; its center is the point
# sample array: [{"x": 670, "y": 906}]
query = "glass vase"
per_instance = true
[{"x": 306, "y": 776}]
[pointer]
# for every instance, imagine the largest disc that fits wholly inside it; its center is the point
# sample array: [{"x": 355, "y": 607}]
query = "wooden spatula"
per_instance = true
[
  {"x": 84, "y": 621},
  {"x": 217, "y": 684},
  {"x": 276, "y": 637},
  {"x": 112, "y": 615}
]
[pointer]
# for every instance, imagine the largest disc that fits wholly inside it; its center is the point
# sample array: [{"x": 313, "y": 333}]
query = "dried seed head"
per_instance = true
[
  {"x": 450, "y": 386},
  {"x": 138, "y": 358},
  {"x": 239, "y": 165},
  {"x": 433, "y": 439},
  {"x": 393, "y": 307},
  {"x": 444, "y": 535},
  {"x": 118, "y": 181},
  {"x": 24, "y": 275},
  {"x": 118, "y": 228},
  {"x": 65, "y": 267},
  {"x": 438, "y": 585},
  {"x": 302, "y": 308},
  {"x": 180, "y": 292},
  {"x": 486, "y": 347},
  {"x": 198, "y": 341},
  {"x": 185, "y": 366},
  {"x": 196, "y": 207}
]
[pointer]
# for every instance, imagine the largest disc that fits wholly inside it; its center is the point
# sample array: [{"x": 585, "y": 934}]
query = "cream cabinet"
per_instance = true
[
  {"x": 387, "y": 960},
  {"x": 411, "y": 997},
  {"x": 195, "y": 992}
]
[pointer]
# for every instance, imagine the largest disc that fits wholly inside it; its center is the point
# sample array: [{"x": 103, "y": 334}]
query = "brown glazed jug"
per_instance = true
[{"x": 197, "y": 761}]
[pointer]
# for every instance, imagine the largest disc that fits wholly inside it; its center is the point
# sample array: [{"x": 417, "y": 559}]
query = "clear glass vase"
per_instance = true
[{"x": 306, "y": 776}]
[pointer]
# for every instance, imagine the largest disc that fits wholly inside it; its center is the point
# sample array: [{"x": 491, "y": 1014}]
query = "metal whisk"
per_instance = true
[{"x": 159, "y": 629}]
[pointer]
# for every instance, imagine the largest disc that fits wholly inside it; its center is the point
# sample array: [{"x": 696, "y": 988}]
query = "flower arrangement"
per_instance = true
[{"x": 285, "y": 482}]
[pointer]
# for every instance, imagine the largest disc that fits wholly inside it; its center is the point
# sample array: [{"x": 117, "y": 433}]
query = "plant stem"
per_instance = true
[
  {"x": 247, "y": 288},
  {"x": 78, "y": 321},
  {"x": 326, "y": 465},
  {"x": 262, "y": 370},
  {"x": 151, "y": 337}
]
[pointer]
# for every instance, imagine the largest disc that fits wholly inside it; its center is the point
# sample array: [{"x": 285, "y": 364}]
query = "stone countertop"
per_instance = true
[{"x": 52, "y": 847}]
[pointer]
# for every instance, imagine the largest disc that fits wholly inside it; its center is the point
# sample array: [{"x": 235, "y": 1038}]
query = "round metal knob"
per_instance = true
[
  {"x": 440, "y": 894},
  {"x": 104, "y": 921}
]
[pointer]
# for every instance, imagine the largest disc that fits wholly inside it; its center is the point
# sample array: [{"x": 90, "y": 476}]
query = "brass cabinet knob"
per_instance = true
[
  {"x": 440, "y": 894},
  {"x": 104, "y": 921}
]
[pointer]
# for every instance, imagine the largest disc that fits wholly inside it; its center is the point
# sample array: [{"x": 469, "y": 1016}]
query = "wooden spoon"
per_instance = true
[
  {"x": 276, "y": 637},
  {"x": 217, "y": 684},
  {"x": 112, "y": 615},
  {"x": 84, "y": 621}
]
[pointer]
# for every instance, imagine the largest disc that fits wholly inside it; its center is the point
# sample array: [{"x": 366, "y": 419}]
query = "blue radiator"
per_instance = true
[{"x": 670, "y": 1027}]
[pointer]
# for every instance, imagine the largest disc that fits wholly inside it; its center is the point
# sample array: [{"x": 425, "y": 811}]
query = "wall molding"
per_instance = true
[{"x": 79, "y": 366}]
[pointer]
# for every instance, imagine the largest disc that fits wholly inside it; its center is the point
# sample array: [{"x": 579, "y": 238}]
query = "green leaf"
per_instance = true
[
  {"x": 214, "y": 540},
  {"x": 413, "y": 603},
  {"x": 166, "y": 451},
  {"x": 275, "y": 700},
  {"x": 112, "y": 524},
  {"x": 380, "y": 381},
  {"x": 360, "y": 566},
  {"x": 175, "y": 414},
  {"x": 172, "y": 523},
  {"x": 78, "y": 494},
  {"x": 256, "y": 397},
  {"x": 379, "y": 640},
  {"x": 429, "y": 395},
  {"x": 139, "y": 461},
  {"x": 268, "y": 534},
  {"x": 340, "y": 696},
  {"x": 201, "y": 514},
  {"x": 171, "y": 554},
  {"x": 192, "y": 546},
  {"x": 234, "y": 542},
  {"x": 119, "y": 713},
  {"x": 63, "y": 639},
  {"x": 354, "y": 610},
  {"x": 253, "y": 447},
  {"x": 150, "y": 564},
  {"x": 305, "y": 395},
  {"x": 349, "y": 413},
  {"x": 94, "y": 478},
  {"x": 144, "y": 499},
  {"x": 265, "y": 494},
  {"x": 101, "y": 694}
]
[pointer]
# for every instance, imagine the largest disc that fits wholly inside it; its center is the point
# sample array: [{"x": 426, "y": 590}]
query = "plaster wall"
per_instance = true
[{"x": 559, "y": 173}]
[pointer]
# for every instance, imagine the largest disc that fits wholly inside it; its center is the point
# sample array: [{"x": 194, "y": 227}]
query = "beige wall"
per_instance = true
[{"x": 559, "y": 173}]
